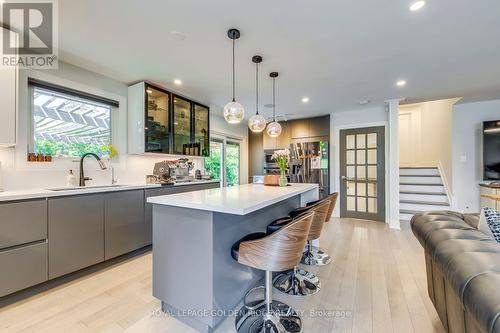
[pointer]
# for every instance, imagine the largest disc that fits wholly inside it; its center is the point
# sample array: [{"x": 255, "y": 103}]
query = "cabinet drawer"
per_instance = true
[
  {"x": 23, "y": 267},
  {"x": 22, "y": 222}
]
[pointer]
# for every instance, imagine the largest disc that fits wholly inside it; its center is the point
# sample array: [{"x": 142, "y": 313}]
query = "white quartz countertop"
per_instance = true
[
  {"x": 238, "y": 200},
  {"x": 61, "y": 191}
]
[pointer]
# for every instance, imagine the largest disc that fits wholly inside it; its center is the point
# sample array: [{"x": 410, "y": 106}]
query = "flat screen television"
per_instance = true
[{"x": 491, "y": 150}]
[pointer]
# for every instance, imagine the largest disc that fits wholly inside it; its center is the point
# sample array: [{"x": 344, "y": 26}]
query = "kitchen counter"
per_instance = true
[
  {"x": 61, "y": 191},
  {"x": 239, "y": 200},
  {"x": 193, "y": 272}
]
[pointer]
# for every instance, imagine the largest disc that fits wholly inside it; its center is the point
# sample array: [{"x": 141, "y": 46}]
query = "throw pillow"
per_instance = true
[{"x": 489, "y": 223}]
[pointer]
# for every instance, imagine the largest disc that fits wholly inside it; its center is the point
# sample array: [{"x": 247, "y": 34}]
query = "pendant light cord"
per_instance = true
[
  {"x": 234, "y": 100},
  {"x": 257, "y": 87},
  {"x": 274, "y": 99}
]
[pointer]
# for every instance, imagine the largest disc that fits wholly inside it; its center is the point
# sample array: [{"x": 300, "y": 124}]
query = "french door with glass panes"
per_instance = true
[
  {"x": 224, "y": 161},
  {"x": 362, "y": 169}
]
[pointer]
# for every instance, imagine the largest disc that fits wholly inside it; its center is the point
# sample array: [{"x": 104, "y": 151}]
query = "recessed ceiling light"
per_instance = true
[
  {"x": 177, "y": 35},
  {"x": 178, "y": 82},
  {"x": 417, "y": 5},
  {"x": 305, "y": 99},
  {"x": 401, "y": 83}
]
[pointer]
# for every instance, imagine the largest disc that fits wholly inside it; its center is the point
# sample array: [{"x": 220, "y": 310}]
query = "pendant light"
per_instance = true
[
  {"x": 274, "y": 128},
  {"x": 257, "y": 122},
  {"x": 233, "y": 111}
]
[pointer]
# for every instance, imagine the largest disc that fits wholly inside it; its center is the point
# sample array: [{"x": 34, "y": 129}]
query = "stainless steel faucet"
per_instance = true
[{"x": 82, "y": 176}]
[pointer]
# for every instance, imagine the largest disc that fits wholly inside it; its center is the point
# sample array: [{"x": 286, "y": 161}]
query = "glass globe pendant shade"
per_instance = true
[
  {"x": 234, "y": 112},
  {"x": 257, "y": 123},
  {"x": 274, "y": 129}
]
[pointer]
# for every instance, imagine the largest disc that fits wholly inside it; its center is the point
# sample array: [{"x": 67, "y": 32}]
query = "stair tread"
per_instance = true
[
  {"x": 430, "y": 203},
  {"x": 406, "y": 211},
  {"x": 433, "y": 168},
  {"x": 420, "y": 184},
  {"x": 423, "y": 193},
  {"x": 409, "y": 211}
]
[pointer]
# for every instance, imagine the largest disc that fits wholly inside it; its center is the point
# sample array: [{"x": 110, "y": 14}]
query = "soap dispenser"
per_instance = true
[{"x": 71, "y": 179}]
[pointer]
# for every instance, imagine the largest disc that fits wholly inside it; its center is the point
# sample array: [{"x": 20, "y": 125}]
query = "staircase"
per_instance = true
[{"x": 420, "y": 189}]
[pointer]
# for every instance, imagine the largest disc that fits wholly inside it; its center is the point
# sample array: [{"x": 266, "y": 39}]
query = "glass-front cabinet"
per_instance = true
[
  {"x": 182, "y": 128},
  {"x": 162, "y": 122},
  {"x": 157, "y": 127},
  {"x": 201, "y": 129}
]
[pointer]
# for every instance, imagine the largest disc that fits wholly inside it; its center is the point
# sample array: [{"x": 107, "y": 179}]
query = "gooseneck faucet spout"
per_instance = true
[{"x": 82, "y": 176}]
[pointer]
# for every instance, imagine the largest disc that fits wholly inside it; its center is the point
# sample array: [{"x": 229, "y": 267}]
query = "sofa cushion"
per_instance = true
[
  {"x": 462, "y": 269},
  {"x": 446, "y": 250},
  {"x": 482, "y": 301},
  {"x": 419, "y": 222},
  {"x": 489, "y": 223},
  {"x": 436, "y": 237},
  {"x": 472, "y": 220}
]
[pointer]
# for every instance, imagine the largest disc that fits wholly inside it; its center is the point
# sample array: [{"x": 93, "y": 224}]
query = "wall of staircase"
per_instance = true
[{"x": 421, "y": 189}]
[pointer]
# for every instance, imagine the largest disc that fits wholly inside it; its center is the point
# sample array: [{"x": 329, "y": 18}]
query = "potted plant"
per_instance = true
[{"x": 282, "y": 157}]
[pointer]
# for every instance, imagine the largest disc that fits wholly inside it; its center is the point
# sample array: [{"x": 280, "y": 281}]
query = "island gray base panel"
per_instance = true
[
  {"x": 190, "y": 321},
  {"x": 192, "y": 265}
]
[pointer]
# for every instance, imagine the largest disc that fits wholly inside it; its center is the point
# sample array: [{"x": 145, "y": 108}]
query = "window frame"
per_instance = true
[{"x": 72, "y": 93}]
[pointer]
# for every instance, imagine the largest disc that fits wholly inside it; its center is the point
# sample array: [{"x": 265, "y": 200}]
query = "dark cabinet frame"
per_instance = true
[{"x": 171, "y": 127}]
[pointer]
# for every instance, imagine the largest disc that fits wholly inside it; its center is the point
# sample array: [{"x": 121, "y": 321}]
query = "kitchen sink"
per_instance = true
[{"x": 82, "y": 188}]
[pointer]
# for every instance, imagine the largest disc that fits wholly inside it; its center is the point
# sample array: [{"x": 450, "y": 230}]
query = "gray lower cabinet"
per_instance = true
[
  {"x": 76, "y": 233},
  {"x": 22, "y": 222},
  {"x": 23, "y": 267},
  {"x": 23, "y": 244},
  {"x": 124, "y": 227}
]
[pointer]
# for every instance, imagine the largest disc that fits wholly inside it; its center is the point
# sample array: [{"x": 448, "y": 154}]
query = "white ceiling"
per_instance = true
[{"x": 337, "y": 52}]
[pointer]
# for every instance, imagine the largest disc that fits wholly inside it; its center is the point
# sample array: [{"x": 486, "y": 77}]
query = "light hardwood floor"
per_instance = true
[{"x": 376, "y": 283}]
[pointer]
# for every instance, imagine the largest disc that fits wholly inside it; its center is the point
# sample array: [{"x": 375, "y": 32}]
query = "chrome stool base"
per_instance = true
[
  {"x": 315, "y": 257},
  {"x": 281, "y": 319},
  {"x": 297, "y": 282}
]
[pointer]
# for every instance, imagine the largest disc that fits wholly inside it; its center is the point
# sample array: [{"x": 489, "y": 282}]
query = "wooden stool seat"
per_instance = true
[{"x": 235, "y": 249}]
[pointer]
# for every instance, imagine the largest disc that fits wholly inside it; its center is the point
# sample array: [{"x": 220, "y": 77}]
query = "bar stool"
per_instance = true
[
  {"x": 299, "y": 282},
  {"x": 314, "y": 256},
  {"x": 333, "y": 200},
  {"x": 279, "y": 251}
]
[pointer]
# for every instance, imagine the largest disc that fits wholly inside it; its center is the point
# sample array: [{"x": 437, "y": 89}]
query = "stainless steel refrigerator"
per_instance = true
[{"x": 309, "y": 163}]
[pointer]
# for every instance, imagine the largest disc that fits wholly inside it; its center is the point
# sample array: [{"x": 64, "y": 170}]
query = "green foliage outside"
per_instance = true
[
  {"x": 213, "y": 163},
  {"x": 58, "y": 148},
  {"x": 232, "y": 164}
]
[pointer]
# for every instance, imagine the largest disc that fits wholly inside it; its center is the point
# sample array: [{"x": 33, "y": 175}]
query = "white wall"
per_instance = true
[
  {"x": 17, "y": 174},
  {"x": 467, "y": 151},
  {"x": 431, "y": 133}
]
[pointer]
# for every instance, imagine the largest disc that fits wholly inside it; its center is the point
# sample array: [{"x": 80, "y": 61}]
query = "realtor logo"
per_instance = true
[{"x": 29, "y": 36}]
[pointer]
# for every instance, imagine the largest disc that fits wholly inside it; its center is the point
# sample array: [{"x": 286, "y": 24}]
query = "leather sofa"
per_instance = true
[{"x": 463, "y": 271}]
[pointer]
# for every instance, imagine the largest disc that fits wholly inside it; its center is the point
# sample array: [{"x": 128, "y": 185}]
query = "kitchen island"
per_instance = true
[{"x": 194, "y": 275}]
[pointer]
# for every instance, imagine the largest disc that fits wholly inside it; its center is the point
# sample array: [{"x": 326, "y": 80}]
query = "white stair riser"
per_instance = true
[
  {"x": 423, "y": 197},
  {"x": 421, "y": 188},
  {"x": 412, "y": 172},
  {"x": 422, "y": 208},
  {"x": 420, "y": 180},
  {"x": 405, "y": 216}
]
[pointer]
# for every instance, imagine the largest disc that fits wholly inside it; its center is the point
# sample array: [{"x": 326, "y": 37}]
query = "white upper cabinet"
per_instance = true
[
  {"x": 136, "y": 118},
  {"x": 8, "y": 103}
]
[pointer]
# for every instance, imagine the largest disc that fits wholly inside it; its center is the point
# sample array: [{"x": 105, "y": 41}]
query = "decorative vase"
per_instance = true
[{"x": 283, "y": 181}]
